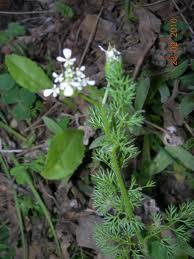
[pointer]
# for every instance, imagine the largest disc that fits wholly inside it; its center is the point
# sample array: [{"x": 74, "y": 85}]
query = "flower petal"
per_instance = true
[
  {"x": 76, "y": 84},
  {"x": 55, "y": 94},
  {"x": 63, "y": 85},
  {"x": 102, "y": 48},
  {"x": 54, "y": 75},
  {"x": 82, "y": 68},
  {"x": 56, "y": 80},
  {"x": 91, "y": 82},
  {"x": 47, "y": 92},
  {"x": 68, "y": 91},
  {"x": 61, "y": 59},
  {"x": 67, "y": 53}
]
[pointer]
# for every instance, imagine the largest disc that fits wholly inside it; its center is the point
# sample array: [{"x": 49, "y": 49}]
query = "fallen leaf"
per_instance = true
[
  {"x": 84, "y": 231},
  {"x": 105, "y": 30},
  {"x": 149, "y": 25}
]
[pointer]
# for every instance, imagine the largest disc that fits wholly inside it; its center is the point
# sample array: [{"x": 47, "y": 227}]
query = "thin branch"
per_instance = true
[
  {"x": 189, "y": 128},
  {"x": 183, "y": 17},
  {"x": 91, "y": 36},
  {"x": 155, "y": 3},
  {"x": 156, "y": 126},
  {"x": 26, "y": 150},
  {"x": 29, "y": 12}
]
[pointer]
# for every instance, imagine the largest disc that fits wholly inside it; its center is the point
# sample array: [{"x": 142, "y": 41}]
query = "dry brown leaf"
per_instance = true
[
  {"x": 84, "y": 231},
  {"x": 105, "y": 30},
  {"x": 149, "y": 25}
]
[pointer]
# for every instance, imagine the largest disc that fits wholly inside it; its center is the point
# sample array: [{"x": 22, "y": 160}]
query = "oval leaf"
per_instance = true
[
  {"x": 160, "y": 163},
  {"x": 182, "y": 155},
  {"x": 6, "y": 82},
  {"x": 142, "y": 92},
  {"x": 177, "y": 71},
  {"x": 65, "y": 155},
  {"x": 187, "y": 105},
  {"x": 52, "y": 125},
  {"x": 164, "y": 92},
  {"x": 27, "y": 73}
]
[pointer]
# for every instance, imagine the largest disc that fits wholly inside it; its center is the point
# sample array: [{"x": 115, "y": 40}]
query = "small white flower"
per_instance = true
[
  {"x": 53, "y": 91},
  {"x": 79, "y": 73},
  {"x": 68, "y": 91},
  {"x": 63, "y": 85},
  {"x": 67, "y": 60},
  {"x": 82, "y": 68},
  {"x": 76, "y": 84},
  {"x": 86, "y": 82},
  {"x": 57, "y": 78},
  {"x": 111, "y": 53}
]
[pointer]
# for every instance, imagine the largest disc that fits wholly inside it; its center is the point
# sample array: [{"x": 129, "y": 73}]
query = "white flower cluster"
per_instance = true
[
  {"x": 111, "y": 53},
  {"x": 70, "y": 80}
]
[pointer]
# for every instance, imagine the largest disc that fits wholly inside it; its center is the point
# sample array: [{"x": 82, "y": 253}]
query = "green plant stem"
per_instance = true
[
  {"x": 18, "y": 212},
  {"x": 106, "y": 94},
  {"x": 117, "y": 170},
  {"x": 12, "y": 132},
  {"x": 120, "y": 181}
]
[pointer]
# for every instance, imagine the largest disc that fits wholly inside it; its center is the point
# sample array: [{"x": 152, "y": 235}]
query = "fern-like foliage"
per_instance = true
[{"x": 123, "y": 234}]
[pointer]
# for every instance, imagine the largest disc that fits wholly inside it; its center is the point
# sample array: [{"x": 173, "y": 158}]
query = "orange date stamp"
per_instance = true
[{"x": 173, "y": 47}]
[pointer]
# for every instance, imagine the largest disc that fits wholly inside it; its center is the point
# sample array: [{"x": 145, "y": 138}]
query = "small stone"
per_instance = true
[{"x": 14, "y": 123}]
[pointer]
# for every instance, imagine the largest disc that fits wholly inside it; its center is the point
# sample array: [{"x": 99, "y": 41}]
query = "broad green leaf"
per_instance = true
[
  {"x": 21, "y": 112},
  {"x": 52, "y": 125},
  {"x": 179, "y": 153},
  {"x": 160, "y": 163},
  {"x": 64, "y": 9},
  {"x": 10, "y": 97},
  {"x": 65, "y": 155},
  {"x": 15, "y": 29},
  {"x": 164, "y": 92},
  {"x": 141, "y": 92},
  {"x": 3, "y": 38},
  {"x": 63, "y": 122},
  {"x": 187, "y": 105},
  {"x": 158, "y": 251},
  {"x": 6, "y": 82},
  {"x": 27, "y": 73},
  {"x": 174, "y": 73},
  {"x": 20, "y": 174},
  {"x": 26, "y": 97},
  {"x": 188, "y": 80}
]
